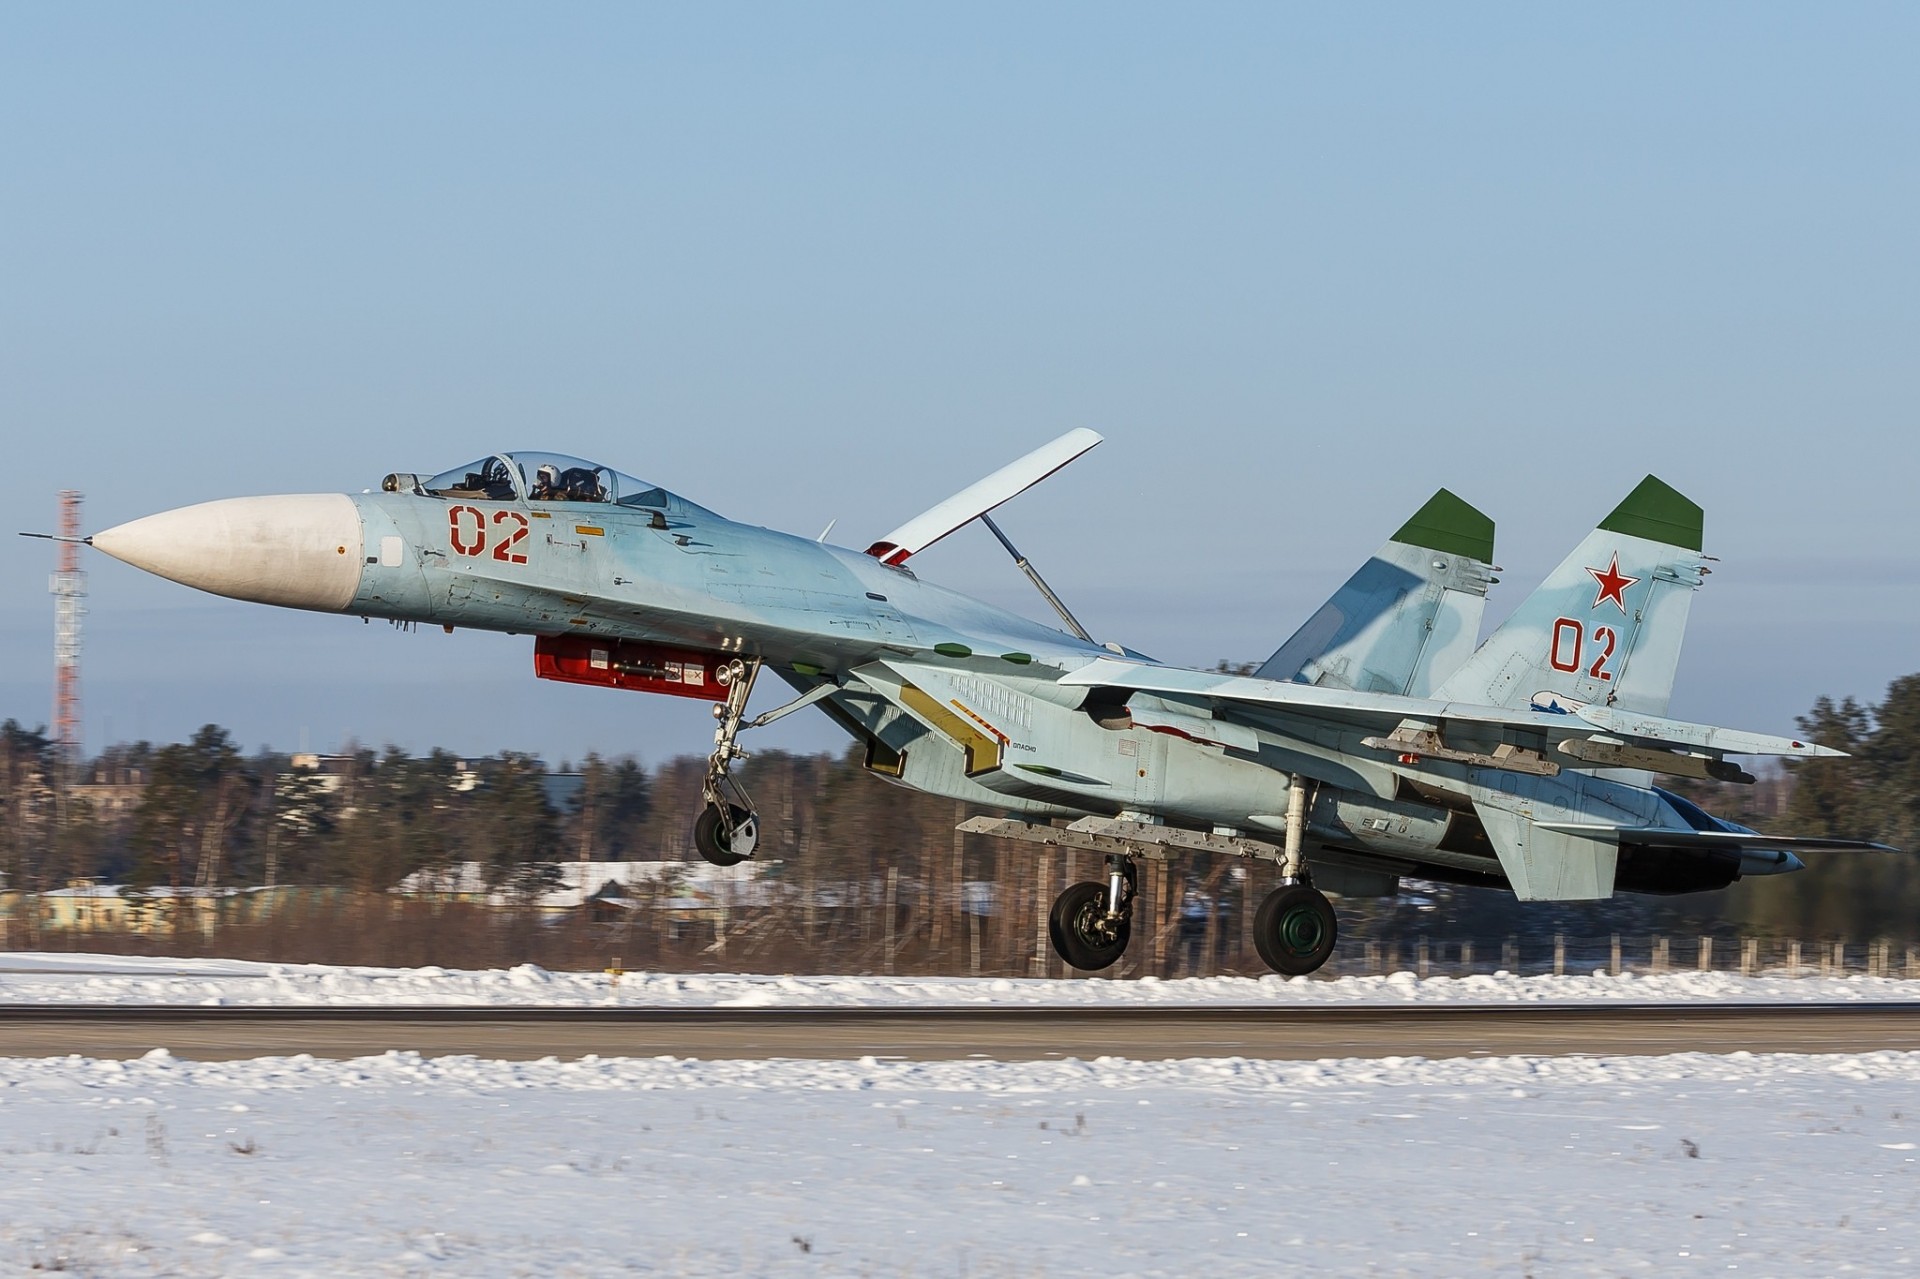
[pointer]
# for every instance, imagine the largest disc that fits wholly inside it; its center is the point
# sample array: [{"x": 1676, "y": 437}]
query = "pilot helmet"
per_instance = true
[{"x": 549, "y": 474}]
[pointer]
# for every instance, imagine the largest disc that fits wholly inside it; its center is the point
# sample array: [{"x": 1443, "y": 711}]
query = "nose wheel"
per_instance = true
[
  {"x": 725, "y": 834},
  {"x": 1295, "y": 929},
  {"x": 727, "y": 830}
]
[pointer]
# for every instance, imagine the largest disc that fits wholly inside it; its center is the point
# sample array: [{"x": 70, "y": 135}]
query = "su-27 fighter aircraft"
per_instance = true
[{"x": 1378, "y": 742}]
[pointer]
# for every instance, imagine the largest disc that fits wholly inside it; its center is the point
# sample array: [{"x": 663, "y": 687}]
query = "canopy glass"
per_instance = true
[{"x": 550, "y": 477}]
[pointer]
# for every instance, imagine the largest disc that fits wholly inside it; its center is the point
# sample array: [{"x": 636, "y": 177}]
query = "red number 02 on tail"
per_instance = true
[{"x": 1570, "y": 643}]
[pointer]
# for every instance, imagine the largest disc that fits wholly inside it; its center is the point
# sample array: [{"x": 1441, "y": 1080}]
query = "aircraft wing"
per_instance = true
[
  {"x": 1591, "y": 729},
  {"x": 970, "y": 503}
]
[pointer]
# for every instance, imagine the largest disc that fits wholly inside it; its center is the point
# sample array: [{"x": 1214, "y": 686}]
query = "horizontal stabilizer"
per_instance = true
[
  {"x": 970, "y": 503},
  {"x": 1666, "y": 837}
]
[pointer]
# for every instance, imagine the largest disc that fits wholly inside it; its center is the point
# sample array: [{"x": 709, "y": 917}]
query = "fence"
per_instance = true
[{"x": 1616, "y": 953}]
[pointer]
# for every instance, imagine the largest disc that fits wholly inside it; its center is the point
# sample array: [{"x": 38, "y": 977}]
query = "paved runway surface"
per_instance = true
[{"x": 1013, "y": 1034}]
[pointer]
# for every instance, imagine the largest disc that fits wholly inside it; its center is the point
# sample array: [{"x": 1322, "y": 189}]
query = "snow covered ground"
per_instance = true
[
  {"x": 401, "y": 1165},
  {"x": 37, "y": 978},
  {"x": 396, "y": 1165}
]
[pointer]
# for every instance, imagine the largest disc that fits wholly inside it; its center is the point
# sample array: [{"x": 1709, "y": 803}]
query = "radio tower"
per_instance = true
[{"x": 69, "y": 587}]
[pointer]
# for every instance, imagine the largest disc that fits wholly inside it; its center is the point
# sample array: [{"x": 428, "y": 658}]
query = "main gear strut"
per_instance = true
[{"x": 1090, "y": 923}]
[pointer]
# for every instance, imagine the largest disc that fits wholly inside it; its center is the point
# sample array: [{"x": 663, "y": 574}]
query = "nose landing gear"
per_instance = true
[{"x": 727, "y": 829}]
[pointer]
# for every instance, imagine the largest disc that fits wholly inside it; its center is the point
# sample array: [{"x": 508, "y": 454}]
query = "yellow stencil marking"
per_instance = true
[
  {"x": 983, "y": 752},
  {"x": 960, "y": 706}
]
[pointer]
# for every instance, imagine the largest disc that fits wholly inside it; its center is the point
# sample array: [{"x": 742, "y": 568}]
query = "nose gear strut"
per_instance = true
[{"x": 728, "y": 828}]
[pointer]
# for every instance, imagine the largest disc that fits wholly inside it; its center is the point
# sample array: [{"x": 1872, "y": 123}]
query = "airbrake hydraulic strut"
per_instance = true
[{"x": 1033, "y": 574}]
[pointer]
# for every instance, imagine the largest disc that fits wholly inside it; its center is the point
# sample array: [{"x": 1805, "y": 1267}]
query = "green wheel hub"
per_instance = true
[
  {"x": 1295, "y": 929},
  {"x": 1302, "y": 930}
]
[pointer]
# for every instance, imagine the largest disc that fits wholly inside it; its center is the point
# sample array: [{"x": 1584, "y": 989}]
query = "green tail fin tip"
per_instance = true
[
  {"x": 1448, "y": 524},
  {"x": 1659, "y": 512}
]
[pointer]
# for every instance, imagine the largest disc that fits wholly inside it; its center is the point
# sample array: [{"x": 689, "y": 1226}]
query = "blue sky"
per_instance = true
[{"x": 1300, "y": 265}]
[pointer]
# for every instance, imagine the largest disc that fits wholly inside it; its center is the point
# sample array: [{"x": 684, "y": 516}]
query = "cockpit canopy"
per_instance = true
[{"x": 550, "y": 477}]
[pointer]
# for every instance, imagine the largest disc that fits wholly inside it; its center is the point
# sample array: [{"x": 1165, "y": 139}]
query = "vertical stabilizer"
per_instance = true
[
  {"x": 1605, "y": 627},
  {"x": 1408, "y": 617}
]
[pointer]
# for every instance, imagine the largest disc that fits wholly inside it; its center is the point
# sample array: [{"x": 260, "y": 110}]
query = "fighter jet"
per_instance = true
[{"x": 1379, "y": 742}]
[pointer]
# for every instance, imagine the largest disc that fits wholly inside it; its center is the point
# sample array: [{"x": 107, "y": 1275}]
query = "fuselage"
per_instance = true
[{"x": 951, "y": 694}]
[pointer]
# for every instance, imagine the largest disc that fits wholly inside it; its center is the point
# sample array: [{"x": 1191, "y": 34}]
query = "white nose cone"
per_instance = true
[{"x": 300, "y": 551}]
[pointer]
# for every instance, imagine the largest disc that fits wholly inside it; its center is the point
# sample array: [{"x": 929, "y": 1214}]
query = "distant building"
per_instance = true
[
  {"x": 331, "y": 770},
  {"x": 673, "y": 886},
  {"x": 90, "y": 907},
  {"x": 112, "y": 794}
]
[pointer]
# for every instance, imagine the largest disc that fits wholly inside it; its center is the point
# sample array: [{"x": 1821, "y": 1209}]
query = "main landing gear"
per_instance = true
[
  {"x": 1090, "y": 923},
  {"x": 727, "y": 829},
  {"x": 1294, "y": 930}
]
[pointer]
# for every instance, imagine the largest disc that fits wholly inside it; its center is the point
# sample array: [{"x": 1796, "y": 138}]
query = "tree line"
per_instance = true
[
  {"x": 200, "y": 814},
  {"x": 1874, "y": 794}
]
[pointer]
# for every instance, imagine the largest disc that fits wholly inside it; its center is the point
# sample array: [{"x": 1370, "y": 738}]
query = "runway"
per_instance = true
[{"x": 1024, "y": 1033}]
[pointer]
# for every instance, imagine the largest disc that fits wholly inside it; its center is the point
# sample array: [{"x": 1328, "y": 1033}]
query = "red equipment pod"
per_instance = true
[{"x": 644, "y": 668}]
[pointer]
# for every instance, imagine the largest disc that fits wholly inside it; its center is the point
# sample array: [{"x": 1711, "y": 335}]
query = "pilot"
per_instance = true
[
  {"x": 582, "y": 485},
  {"x": 546, "y": 485}
]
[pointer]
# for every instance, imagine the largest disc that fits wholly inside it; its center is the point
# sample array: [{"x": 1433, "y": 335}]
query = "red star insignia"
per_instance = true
[{"x": 1613, "y": 584}]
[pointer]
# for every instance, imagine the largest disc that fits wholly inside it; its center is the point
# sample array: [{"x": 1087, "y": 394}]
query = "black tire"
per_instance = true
[
  {"x": 1077, "y": 927},
  {"x": 1295, "y": 929},
  {"x": 710, "y": 835}
]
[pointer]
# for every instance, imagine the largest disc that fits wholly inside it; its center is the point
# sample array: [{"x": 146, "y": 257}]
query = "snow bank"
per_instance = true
[
  {"x": 33, "y": 978},
  {"x": 1237, "y": 1075}
]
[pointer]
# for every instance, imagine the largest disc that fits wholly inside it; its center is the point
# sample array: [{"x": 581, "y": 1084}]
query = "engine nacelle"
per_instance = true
[
  {"x": 1669, "y": 871},
  {"x": 641, "y": 668}
]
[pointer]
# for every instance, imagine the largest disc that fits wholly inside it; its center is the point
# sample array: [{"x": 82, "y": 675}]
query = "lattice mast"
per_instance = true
[{"x": 69, "y": 587}]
